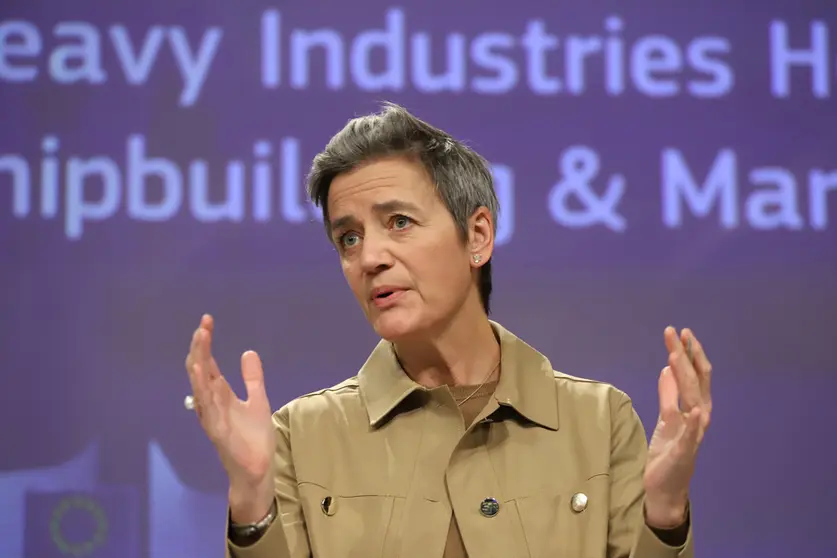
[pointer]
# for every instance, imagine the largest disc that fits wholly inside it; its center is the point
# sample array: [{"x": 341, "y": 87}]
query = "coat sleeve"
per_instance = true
[
  {"x": 629, "y": 536},
  {"x": 287, "y": 536}
]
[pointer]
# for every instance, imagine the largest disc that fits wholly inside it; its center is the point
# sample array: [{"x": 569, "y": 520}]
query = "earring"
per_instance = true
[{"x": 477, "y": 258}]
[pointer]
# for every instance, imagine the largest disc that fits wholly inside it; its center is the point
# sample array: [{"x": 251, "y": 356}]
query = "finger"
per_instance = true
[
  {"x": 193, "y": 350},
  {"x": 208, "y": 322},
  {"x": 688, "y": 385},
  {"x": 205, "y": 353},
  {"x": 701, "y": 364},
  {"x": 670, "y": 338},
  {"x": 253, "y": 375},
  {"x": 221, "y": 391},
  {"x": 691, "y": 437},
  {"x": 201, "y": 392},
  {"x": 667, "y": 388},
  {"x": 208, "y": 325},
  {"x": 192, "y": 357}
]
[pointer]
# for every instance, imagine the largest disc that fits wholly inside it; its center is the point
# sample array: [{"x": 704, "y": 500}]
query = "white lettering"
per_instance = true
[
  {"x": 577, "y": 51},
  {"x": 140, "y": 168},
  {"x": 81, "y": 59},
  {"x": 50, "y": 177},
  {"x": 18, "y": 39},
  {"x": 614, "y": 56},
  {"x": 232, "y": 209},
  {"x": 302, "y": 42},
  {"x": 262, "y": 182},
  {"x": 484, "y": 51},
  {"x": 783, "y": 57},
  {"x": 193, "y": 66},
  {"x": 774, "y": 202},
  {"x": 776, "y": 206},
  {"x": 504, "y": 186},
  {"x": 78, "y": 209},
  {"x": 651, "y": 58},
  {"x": 292, "y": 208},
  {"x": 391, "y": 41},
  {"x": 702, "y": 55},
  {"x": 270, "y": 49},
  {"x": 538, "y": 43},
  {"x": 494, "y": 62},
  {"x": 18, "y": 167},
  {"x": 679, "y": 185},
  {"x": 137, "y": 66},
  {"x": 79, "y": 54},
  {"x": 820, "y": 184},
  {"x": 156, "y": 189},
  {"x": 451, "y": 80}
]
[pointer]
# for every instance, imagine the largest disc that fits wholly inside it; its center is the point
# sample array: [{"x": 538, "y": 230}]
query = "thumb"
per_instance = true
[{"x": 253, "y": 375}]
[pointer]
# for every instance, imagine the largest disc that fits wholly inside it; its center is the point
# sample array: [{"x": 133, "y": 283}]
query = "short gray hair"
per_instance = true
[{"x": 462, "y": 177}]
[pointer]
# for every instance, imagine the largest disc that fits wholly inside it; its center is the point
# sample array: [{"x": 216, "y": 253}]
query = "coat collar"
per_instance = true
[{"x": 527, "y": 381}]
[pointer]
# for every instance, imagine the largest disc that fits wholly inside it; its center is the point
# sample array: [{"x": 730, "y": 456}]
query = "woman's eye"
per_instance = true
[
  {"x": 349, "y": 239},
  {"x": 400, "y": 222}
]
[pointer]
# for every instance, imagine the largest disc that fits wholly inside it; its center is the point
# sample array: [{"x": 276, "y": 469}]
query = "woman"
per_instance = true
[{"x": 456, "y": 438}]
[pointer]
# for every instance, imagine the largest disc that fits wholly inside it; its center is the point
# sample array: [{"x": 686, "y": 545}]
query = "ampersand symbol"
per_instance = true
[{"x": 578, "y": 166}]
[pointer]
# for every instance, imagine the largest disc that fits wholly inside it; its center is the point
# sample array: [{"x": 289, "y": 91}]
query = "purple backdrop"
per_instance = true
[{"x": 656, "y": 165}]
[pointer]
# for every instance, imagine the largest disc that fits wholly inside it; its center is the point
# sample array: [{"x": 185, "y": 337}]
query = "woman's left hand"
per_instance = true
[{"x": 685, "y": 410}]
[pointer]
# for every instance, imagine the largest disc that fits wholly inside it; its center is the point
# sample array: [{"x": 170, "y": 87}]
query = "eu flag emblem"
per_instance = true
[{"x": 92, "y": 524}]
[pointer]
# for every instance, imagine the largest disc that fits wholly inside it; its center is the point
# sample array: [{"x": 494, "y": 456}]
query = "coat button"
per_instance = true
[
  {"x": 579, "y": 502},
  {"x": 325, "y": 505},
  {"x": 489, "y": 507}
]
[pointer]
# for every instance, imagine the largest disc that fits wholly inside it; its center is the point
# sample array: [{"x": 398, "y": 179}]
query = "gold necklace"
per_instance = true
[{"x": 491, "y": 373}]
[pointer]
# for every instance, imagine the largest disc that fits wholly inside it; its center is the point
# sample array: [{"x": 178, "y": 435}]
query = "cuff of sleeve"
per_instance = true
[
  {"x": 648, "y": 545},
  {"x": 272, "y": 544}
]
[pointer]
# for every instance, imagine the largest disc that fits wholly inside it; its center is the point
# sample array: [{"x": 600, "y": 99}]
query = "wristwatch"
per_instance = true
[{"x": 249, "y": 533}]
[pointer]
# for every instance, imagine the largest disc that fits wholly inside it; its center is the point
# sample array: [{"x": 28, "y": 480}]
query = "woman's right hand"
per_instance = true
[{"x": 241, "y": 431}]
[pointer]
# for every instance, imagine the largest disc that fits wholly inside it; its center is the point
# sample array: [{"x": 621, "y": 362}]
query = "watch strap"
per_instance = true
[{"x": 249, "y": 533}]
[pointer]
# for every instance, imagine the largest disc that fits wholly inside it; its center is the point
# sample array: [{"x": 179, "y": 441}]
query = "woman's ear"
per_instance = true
[{"x": 480, "y": 236}]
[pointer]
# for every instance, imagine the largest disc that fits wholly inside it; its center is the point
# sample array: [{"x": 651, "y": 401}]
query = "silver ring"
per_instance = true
[{"x": 189, "y": 403}]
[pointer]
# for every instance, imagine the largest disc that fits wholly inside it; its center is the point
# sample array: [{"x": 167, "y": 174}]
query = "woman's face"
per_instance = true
[{"x": 400, "y": 250}]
